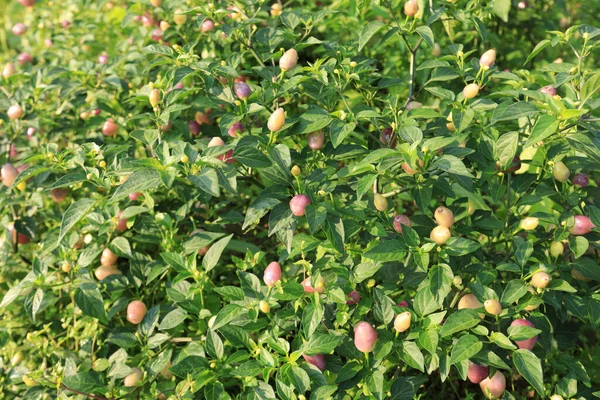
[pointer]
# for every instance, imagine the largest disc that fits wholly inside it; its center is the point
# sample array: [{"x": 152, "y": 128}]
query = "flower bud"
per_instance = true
[
  {"x": 8, "y": 71},
  {"x": 103, "y": 272},
  {"x": 110, "y": 128},
  {"x": 582, "y": 226},
  {"x": 365, "y": 337},
  {"x": 154, "y": 97},
  {"x": 400, "y": 220},
  {"x": 477, "y": 373},
  {"x": 580, "y": 180},
  {"x": 272, "y": 274},
  {"x": 19, "y": 29},
  {"x": 471, "y": 90},
  {"x": 264, "y": 306},
  {"x": 402, "y": 322},
  {"x": 9, "y": 174},
  {"x": 136, "y": 310},
  {"x": 411, "y": 8},
  {"x": 288, "y": 60},
  {"x": 444, "y": 217},
  {"x": 242, "y": 90},
  {"x": 319, "y": 286},
  {"x": 440, "y": 234},
  {"x": 316, "y": 140},
  {"x": 492, "y": 306},
  {"x": 530, "y": 223},
  {"x": 235, "y": 129},
  {"x": 495, "y": 386},
  {"x": 528, "y": 343},
  {"x": 14, "y": 112},
  {"x": 207, "y": 26},
  {"x": 561, "y": 172},
  {"x": 276, "y": 120},
  {"x": 488, "y": 58},
  {"x": 381, "y": 203},
  {"x": 353, "y": 298},
  {"x": 540, "y": 280},
  {"x": 108, "y": 258},
  {"x": 133, "y": 378}
]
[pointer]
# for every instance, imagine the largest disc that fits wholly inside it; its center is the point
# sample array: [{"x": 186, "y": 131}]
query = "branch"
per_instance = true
[
  {"x": 91, "y": 396},
  {"x": 413, "y": 54},
  {"x": 395, "y": 192}
]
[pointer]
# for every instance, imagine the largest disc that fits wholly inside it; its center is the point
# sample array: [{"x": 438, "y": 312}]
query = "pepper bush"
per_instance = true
[{"x": 326, "y": 200}]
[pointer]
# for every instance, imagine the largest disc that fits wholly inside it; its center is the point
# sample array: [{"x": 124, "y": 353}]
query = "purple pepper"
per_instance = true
[{"x": 242, "y": 90}]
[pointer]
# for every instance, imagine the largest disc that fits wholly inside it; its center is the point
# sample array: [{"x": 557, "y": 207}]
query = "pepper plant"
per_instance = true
[{"x": 304, "y": 199}]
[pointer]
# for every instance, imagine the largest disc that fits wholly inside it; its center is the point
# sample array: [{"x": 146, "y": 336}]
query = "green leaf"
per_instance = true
[
  {"x": 86, "y": 382},
  {"x": 405, "y": 387},
  {"x": 120, "y": 246},
  {"x": 501, "y": 8},
  {"x": 588, "y": 267},
  {"x": 139, "y": 181},
  {"x": 227, "y": 314},
  {"x": 411, "y": 354},
  {"x": 214, "y": 345},
  {"x": 452, "y": 164},
  {"x": 348, "y": 371},
  {"x": 411, "y": 134},
  {"x": 258, "y": 209},
  {"x": 339, "y": 131},
  {"x": 390, "y": 250},
  {"x": 213, "y": 254},
  {"x": 367, "y": 33},
  {"x": 311, "y": 319},
  {"x": 333, "y": 227},
  {"x": 513, "y": 291},
  {"x": 206, "y": 180},
  {"x": 313, "y": 120},
  {"x": 297, "y": 377},
  {"x": 465, "y": 347},
  {"x": 502, "y": 341},
  {"x": 251, "y": 157},
  {"x": 561, "y": 285},
  {"x": 514, "y": 111},
  {"x": 89, "y": 299},
  {"x": 320, "y": 343},
  {"x": 530, "y": 367},
  {"x": 365, "y": 270},
  {"x": 506, "y": 148},
  {"x": 173, "y": 319},
  {"x": 578, "y": 245},
  {"x": 160, "y": 49},
  {"x": 375, "y": 384},
  {"x": 545, "y": 126},
  {"x": 382, "y": 306},
  {"x": 440, "y": 279},
  {"x": 427, "y": 34},
  {"x": 191, "y": 365},
  {"x": 518, "y": 333},
  {"x": 428, "y": 339},
  {"x": 27, "y": 173},
  {"x": 539, "y": 47},
  {"x": 68, "y": 180},
  {"x": 461, "y": 246},
  {"x": 590, "y": 87},
  {"x": 74, "y": 213},
  {"x": 459, "y": 321}
]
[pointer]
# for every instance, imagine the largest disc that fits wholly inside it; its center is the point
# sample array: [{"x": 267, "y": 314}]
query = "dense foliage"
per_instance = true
[{"x": 343, "y": 199}]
